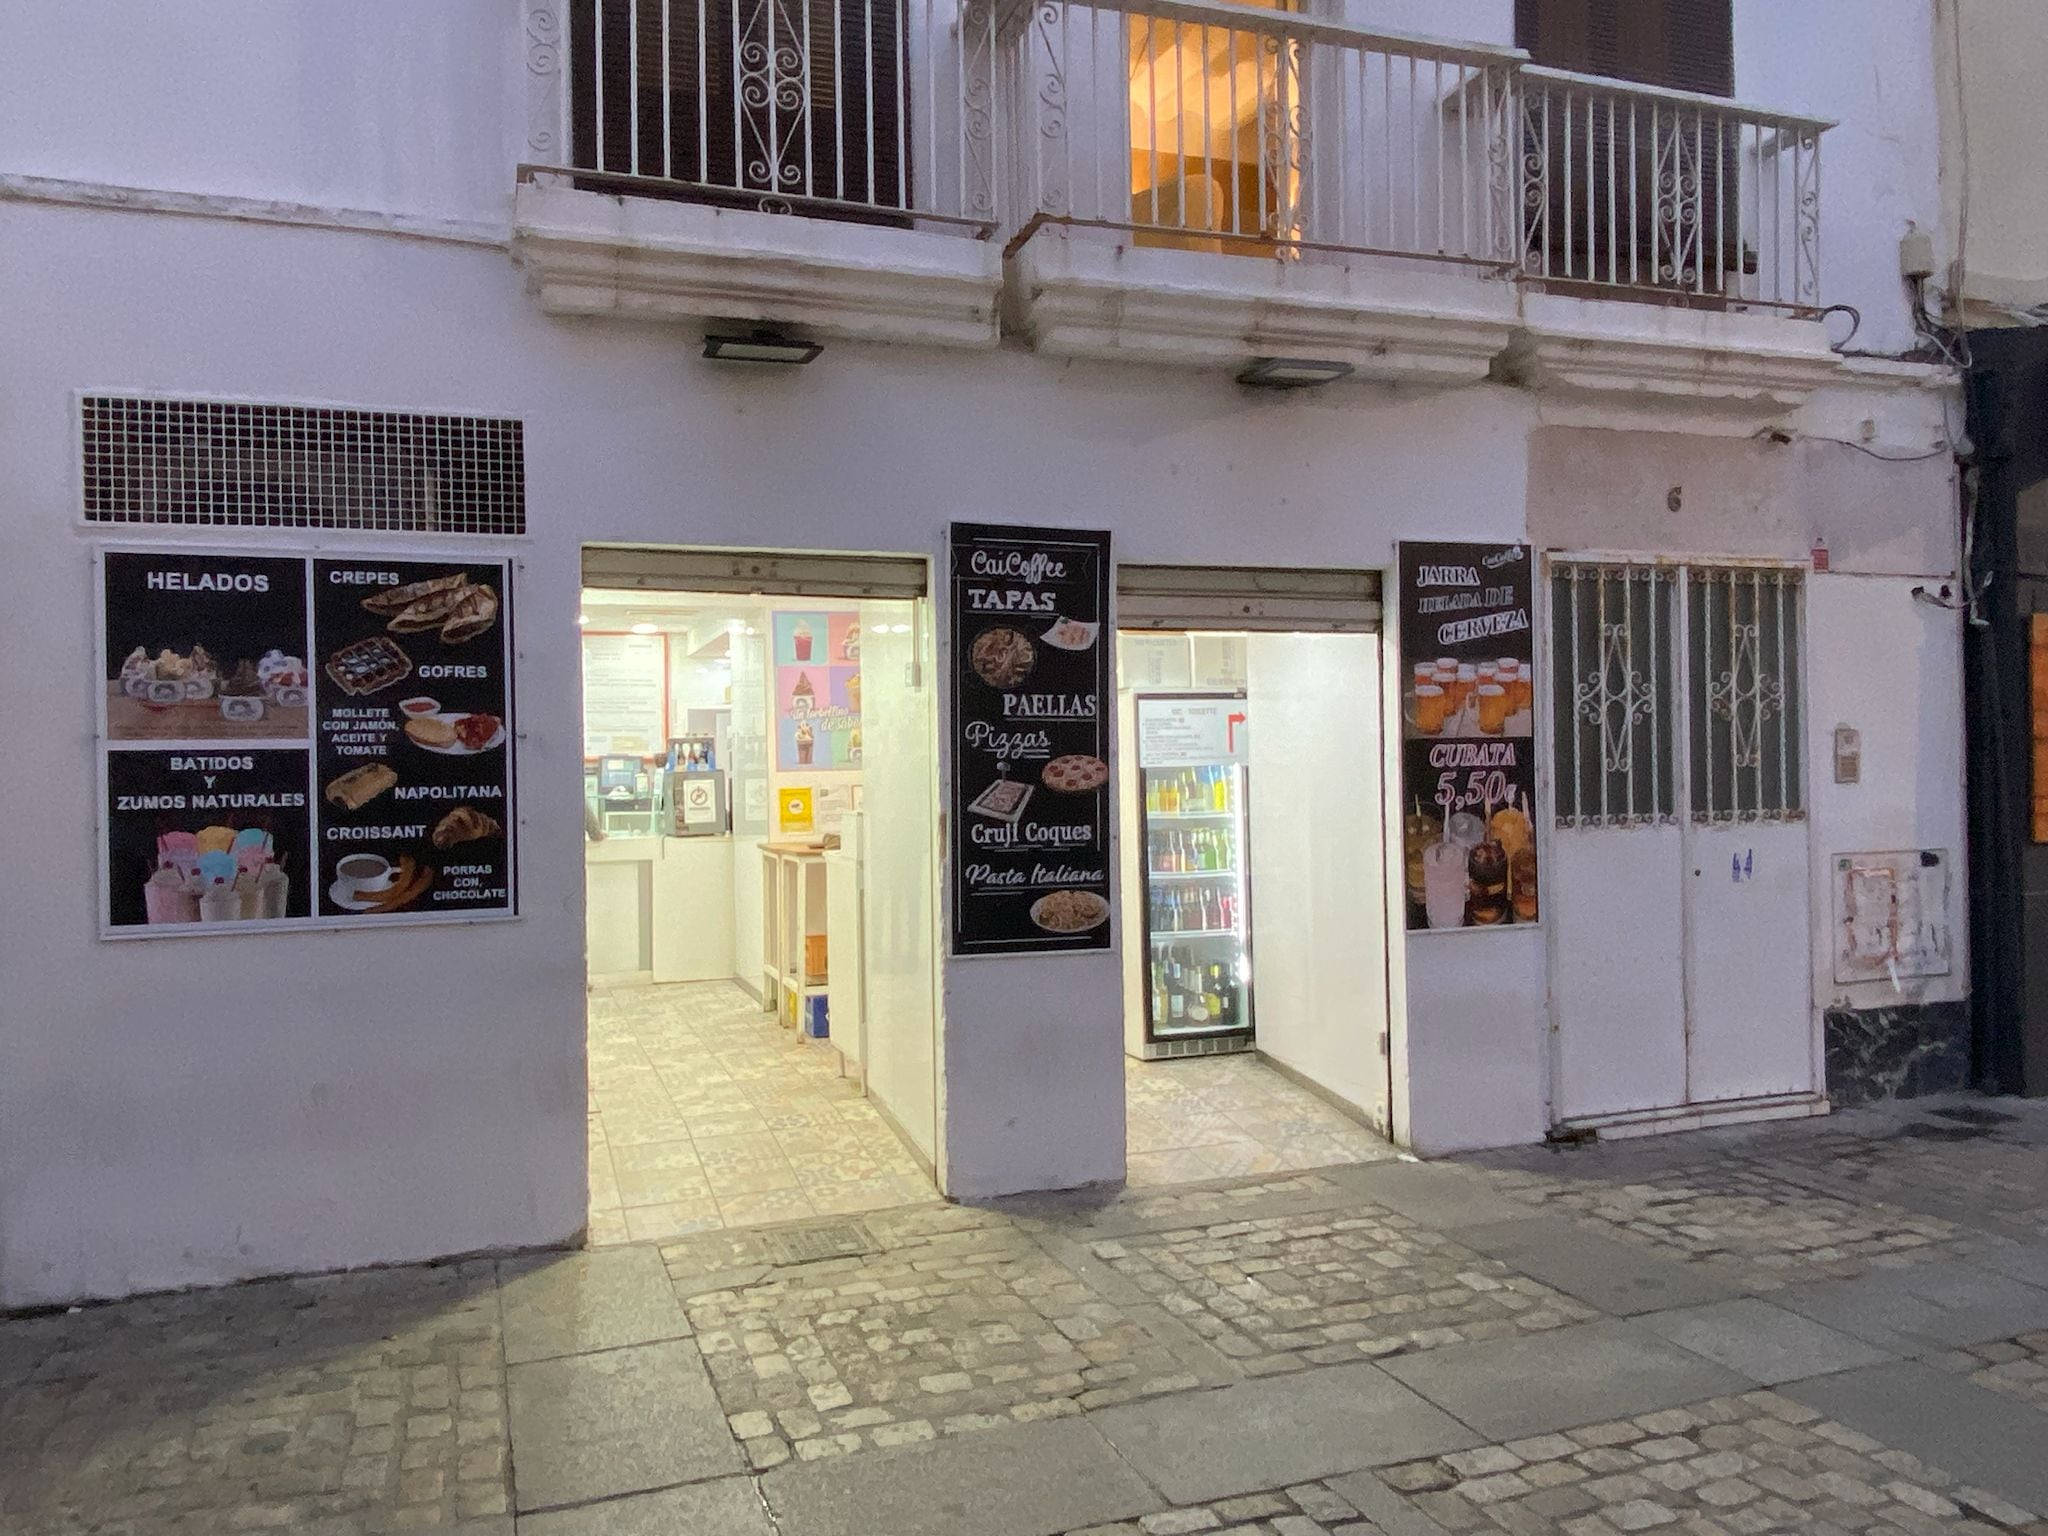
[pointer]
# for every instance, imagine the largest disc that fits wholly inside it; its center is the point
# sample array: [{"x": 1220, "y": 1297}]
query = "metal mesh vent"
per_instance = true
[{"x": 220, "y": 464}]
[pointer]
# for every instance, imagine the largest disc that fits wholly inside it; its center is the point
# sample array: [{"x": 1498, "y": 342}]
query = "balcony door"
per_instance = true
[
  {"x": 1681, "y": 966},
  {"x": 774, "y": 104},
  {"x": 1217, "y": 132},
  {"x": 1635, "y": 191}
]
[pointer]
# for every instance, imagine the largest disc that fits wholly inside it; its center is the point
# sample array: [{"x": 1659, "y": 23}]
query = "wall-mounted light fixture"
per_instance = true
[
  {"x": 761, "y": 345},
  {"x": 1291, "y": 372}
]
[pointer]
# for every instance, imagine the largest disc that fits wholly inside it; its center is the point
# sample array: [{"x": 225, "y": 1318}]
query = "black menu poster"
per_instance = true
[
  {"x": 1468, "y": 751},
  {"x": 412, "y": 731},
  {"x": 1031, "y": 684},
  {"x": 290, "y": 742}
]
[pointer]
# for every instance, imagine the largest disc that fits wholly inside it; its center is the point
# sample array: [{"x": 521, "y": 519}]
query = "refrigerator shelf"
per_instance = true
[
  {"x": 1191, "y": 815},
  {"x": 1175, "y": 936},
  {"x": 1192, "y": 874}
]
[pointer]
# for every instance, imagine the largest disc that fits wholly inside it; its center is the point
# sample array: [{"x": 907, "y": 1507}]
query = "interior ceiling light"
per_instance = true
[
  {"x": 645, "y": 628},
  {"x": 1291, "y": 372},
  {"x": 761, "y": 346},
  {"x": 582, "y": 619}
]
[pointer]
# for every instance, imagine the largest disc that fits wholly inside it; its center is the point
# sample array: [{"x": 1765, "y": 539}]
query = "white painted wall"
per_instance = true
[
  {"x": 1888, "y": 665},
  {"x": 1318, "y": 885},
  {"x": 164, "y": 1120}
]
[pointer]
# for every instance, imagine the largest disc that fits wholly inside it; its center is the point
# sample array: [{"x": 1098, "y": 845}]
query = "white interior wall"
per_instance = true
[
  {"x": 899, "y": 871},
  {"x": 1318, "y": 883}
]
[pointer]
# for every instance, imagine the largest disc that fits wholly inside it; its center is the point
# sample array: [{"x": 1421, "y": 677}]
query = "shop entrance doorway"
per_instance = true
[
  {"x": 761, "y": 873},
  {"x": 1254, "y": 872}
]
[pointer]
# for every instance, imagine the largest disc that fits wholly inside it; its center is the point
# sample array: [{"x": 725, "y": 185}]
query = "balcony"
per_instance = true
[
  {"x": 1180, "y": 181},
  {"x": 822, "y": 164}
]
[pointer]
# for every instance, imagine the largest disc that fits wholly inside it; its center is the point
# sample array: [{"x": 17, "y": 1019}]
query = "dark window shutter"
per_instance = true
[
  {"x": 716, "y": 129},
  {"x": 1686, "y": 45}
]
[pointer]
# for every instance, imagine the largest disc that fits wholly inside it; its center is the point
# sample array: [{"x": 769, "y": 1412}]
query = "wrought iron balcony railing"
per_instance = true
[{"x": 1200, "y": 125}]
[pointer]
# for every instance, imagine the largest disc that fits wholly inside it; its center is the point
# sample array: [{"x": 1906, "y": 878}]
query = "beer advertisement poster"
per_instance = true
[
  {"x": 1468, "y": 749},
  {"x": 1030, "y": 740}
]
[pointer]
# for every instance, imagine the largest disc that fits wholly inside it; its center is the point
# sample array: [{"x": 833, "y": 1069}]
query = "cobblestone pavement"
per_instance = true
[
  {"x": 1306, "y": 1509},
  {"x": 1280, "y": 1293},
  {"x": 1750, "y": 1464},
  {"x": 368, "y": 1403},
  {"x": 1746, "y": 1213},
  {"x": 2017, "y": 1367},
  {"x": 1851, "y": 1343},
  {"x": 954, "y": 1332}
]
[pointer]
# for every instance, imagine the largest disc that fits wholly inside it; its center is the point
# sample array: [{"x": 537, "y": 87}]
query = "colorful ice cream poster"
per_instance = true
[
  {"x": 1468, "y": 750},
  {"x": 817, "y": 690}
]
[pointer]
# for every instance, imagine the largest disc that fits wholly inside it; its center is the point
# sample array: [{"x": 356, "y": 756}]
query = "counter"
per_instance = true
[{"x": 659, "y": 908}]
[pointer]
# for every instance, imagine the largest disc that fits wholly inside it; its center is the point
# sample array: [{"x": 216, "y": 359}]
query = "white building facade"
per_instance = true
[{"x": 1580, "y": 314}]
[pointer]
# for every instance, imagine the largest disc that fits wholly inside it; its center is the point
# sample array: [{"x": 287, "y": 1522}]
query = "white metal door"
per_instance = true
[
  {"x": 1676, "y": 895},
  {"x": 1748, "y": 963},
  {"x": 1612, "y": 895}
]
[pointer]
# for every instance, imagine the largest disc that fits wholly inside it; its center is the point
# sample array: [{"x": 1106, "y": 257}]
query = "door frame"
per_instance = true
[{"x": 1693, "y": 1112}]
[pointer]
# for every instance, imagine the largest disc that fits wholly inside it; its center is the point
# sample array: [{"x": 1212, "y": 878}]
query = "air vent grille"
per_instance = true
[{"x": 212, "y": 463}]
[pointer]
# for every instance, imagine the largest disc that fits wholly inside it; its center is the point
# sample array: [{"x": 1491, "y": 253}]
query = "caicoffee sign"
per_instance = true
[
  {"x": 1030, "y": 660},
  {"x": 291, "y": 743},
  {"x": 1468, "y": 701}
]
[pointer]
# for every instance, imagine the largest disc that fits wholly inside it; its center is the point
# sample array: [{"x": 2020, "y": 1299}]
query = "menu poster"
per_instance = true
[
  {"x": 293, "y": 742},
  {"x": 817, "y": 690},
  {"x": 625, "y": 695},
  {"x": 1468, "y": 752},
  {"x": 1030, "y": 662},
  {"x": 413, "y": 720}
]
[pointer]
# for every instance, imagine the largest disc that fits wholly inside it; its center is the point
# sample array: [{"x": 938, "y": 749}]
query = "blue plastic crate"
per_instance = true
[{"x": 817, "y": 1019}]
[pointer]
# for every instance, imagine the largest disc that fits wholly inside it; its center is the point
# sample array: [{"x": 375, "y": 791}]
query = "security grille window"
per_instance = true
[
  {"x": 771, "y": 104},
  {"x": 1612, "y": 665},
  {"x": 209, "y": 463},
  {"x": 1742, "y": 634}
]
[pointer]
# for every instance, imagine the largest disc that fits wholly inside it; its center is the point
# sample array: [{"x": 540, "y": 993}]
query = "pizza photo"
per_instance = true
[
  {"x": 1002, "y": 657},
  {"x": 1075, "y": 774}
]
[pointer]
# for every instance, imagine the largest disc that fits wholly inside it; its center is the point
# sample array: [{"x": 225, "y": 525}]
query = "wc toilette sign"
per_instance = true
[
  {"x": 288, "y": 742},
  {"x": 1468, "y": 759},
  {"x": 1030, "y": 798}
]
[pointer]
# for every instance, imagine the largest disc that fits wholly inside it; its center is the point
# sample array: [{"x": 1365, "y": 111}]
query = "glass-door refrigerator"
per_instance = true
[{"x": 1192, "y": 794}]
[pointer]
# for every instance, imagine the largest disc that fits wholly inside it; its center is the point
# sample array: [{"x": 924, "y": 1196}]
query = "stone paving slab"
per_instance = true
[
  {"x": 1439, "y": 1195},
  {"x": 1557, "y": 1380},
  {"x": 1748, "y": 1464},
  {"x": 1764, "y": 1342},
  {"x": 730, "y": 1506},
  {"x": 1984, "y": 1438},
  {"x": 571, "y": 1303},
  {"x": 1029, "y": 1480},
  {"x": 1202, "y": 1446},
  {"x": 616, "y": 1422},
  {"x": 1612, "y": 1276},
  {"x": 1930, "y": 1307}
]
